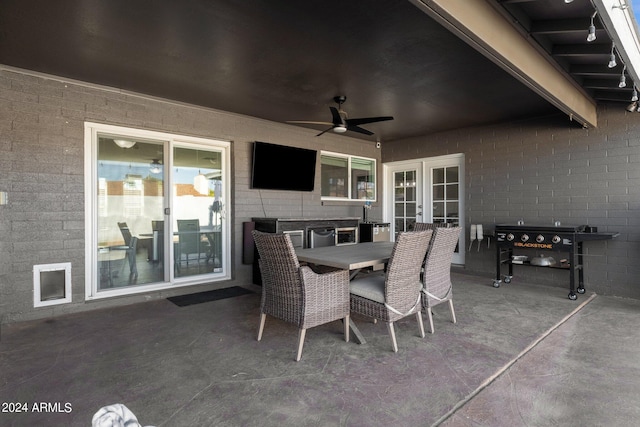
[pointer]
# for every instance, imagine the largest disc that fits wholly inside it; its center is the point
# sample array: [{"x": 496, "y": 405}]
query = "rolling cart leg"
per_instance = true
[
  {"x": 498, "y": 279},
  {"x": 580, "y": 268},
  {"x": 572, "y": 274}
]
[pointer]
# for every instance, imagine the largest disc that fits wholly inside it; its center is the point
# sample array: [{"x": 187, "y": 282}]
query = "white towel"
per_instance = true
[
  {"x": 480, "y": 231},
  {"x": 116, "y": 415}
]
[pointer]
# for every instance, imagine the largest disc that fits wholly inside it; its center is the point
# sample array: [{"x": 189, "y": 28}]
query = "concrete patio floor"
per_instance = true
[{"x": 520, "y": 355}]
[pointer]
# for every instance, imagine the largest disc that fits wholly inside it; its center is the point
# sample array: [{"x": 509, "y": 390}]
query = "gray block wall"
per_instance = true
[
  {"x": 547, "y": 170},
  {"x": 42, "y": 170},
  {"x": 539, "y": 170}
]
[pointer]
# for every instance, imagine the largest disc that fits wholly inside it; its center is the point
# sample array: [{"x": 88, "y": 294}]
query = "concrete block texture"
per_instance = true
[
  {"x": 42, "y": 166},
  {"x": 548, "y": 169}
]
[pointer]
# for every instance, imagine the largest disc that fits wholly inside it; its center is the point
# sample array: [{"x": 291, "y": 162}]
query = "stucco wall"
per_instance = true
[
  {"x": 548, "y": 170},
  {"x": 42, "y": 170}
]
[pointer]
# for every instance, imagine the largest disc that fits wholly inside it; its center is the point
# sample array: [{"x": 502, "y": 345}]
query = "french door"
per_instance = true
[
  {"x": 407, "y": 196},
  {"x": 156, "y": 211},
  {"x": 425, "y": 190}
]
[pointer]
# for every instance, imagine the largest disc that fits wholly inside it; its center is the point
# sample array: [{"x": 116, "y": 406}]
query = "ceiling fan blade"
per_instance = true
[
  {"x": 365, "y": 120},
  {"x": 326, "y": 130},
  {"x": 358, "y": 129},
  {"x": 305, "y": 122}
]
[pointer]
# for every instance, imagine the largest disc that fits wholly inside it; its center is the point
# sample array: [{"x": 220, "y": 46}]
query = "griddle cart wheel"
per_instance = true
[
  {"x": 496, "y": 283},
  {"x": 507, "y": 279},
  {"x": 580, "y": 290},
  {"x": 573, "y": 296}
]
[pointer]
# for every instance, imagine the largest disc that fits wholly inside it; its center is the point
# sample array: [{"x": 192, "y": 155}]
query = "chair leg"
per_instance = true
[
  {"x": 430, "y": 317},
  {"x": 263, "y": 317},
  {"x": 133, "y": 266},
  {"x": 392, "y": 334},
  {"x": 420, "y": 324},
  {"x": 453, "y": 313},
  {"x": 346, "y": 328},
  {"x": 301, "y": 335}
]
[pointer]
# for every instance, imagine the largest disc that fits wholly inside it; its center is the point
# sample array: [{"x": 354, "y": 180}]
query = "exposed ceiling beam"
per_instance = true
[
  {"x": 591, "y": 49},
  {"x": 595, "y": 70},
  {"x": 482, "y": 26},
  {"x": 563, "y": 26},
  {"x": 607, "y": 95},
  {"x": 604, "y": 84}
]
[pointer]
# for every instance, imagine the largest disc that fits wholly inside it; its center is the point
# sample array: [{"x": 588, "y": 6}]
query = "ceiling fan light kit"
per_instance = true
[{"x": 155, "y": 166}]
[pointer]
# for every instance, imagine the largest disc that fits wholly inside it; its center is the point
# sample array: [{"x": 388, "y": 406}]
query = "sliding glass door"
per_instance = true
[
  {"x": 156, "y": 210},
  {"x": 198, "y": 205},
  {"x": 130, "y": 195}
]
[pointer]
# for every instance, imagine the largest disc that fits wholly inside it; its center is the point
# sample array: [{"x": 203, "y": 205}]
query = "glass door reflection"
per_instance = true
[
  {"x": 130, "y": 196},
  {"x": 198, "y": 211},
  {"x": 405, "y": 200}
]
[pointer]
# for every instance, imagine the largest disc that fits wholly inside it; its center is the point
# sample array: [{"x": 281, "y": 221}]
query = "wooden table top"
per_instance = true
[{"x": 348, "y": 257}]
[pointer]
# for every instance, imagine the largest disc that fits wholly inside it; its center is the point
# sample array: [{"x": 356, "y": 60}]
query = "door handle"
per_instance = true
[{"x": 167, "y": 211}]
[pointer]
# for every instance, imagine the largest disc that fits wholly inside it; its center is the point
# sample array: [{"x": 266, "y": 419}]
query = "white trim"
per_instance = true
[
  {"x": 37, "y": 297},
  {"x": 424, "y": 196},
  {"x": 92, "y": 130},
  {"x": 388, "y": 204},
  {"x": 349, "y": 158}
]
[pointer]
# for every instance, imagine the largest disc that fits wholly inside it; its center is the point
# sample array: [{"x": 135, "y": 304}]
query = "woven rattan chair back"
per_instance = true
[
  {"x": 422, "y": 226},
  {"x": 281, "y": 284},
  {"x": 402, "y": 284},
  {"x": 437, "y": 287},
  {"x": 399, "y": 287}
]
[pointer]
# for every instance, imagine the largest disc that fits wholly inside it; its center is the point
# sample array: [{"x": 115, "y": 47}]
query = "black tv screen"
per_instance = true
[{"x": 278, "y": 167}]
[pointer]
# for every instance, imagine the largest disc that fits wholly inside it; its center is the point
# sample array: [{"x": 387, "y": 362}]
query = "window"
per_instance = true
[{"x": 347, "y": 177}]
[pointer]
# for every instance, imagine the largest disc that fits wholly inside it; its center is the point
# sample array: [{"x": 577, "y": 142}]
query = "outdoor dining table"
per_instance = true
[{"x": 352, "y": 257}]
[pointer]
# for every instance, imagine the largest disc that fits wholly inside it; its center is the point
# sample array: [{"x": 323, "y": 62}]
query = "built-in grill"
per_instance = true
[{"x": 512, "y": 239}]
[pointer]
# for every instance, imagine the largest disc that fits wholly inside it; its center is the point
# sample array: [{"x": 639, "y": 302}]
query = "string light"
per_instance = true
[
  {"x": 623, "y": 79},
  {"x": 612, "y": 57},
  {"x": 592, "y": 28}
]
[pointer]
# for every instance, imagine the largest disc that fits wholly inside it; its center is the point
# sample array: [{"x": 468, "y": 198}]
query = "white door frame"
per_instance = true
[
  {"x": 424, "y": 194},
  {"x": 91, "y": 263}
]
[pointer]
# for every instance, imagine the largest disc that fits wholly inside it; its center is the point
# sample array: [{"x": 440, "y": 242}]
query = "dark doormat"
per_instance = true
[{"x": 207, "y": 296}]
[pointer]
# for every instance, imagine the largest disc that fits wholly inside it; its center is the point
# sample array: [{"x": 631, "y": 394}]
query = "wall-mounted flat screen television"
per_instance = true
[{"x": 279, "y": 167}]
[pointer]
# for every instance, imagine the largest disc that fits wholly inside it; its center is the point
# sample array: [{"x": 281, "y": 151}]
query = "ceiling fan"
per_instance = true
[
  {"x": 341, "y": 123},
  {"x": 155, "y": 166}
]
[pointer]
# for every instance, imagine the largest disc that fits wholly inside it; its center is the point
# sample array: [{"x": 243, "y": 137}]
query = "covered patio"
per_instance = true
[
  {"x": 519, "y": 92},
  {"x": 519, "y": 355}
]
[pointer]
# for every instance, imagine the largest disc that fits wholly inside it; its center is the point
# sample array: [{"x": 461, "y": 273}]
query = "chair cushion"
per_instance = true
[{"x": 369, "y": 287}]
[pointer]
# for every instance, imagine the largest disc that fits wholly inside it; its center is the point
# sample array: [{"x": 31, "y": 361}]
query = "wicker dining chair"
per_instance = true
[
  {"x": 437, "y": 287},
  {"x": 295, "y": 293},
  {"x": 396, "y": 294},
  {"x": 422, "y": 226}
]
